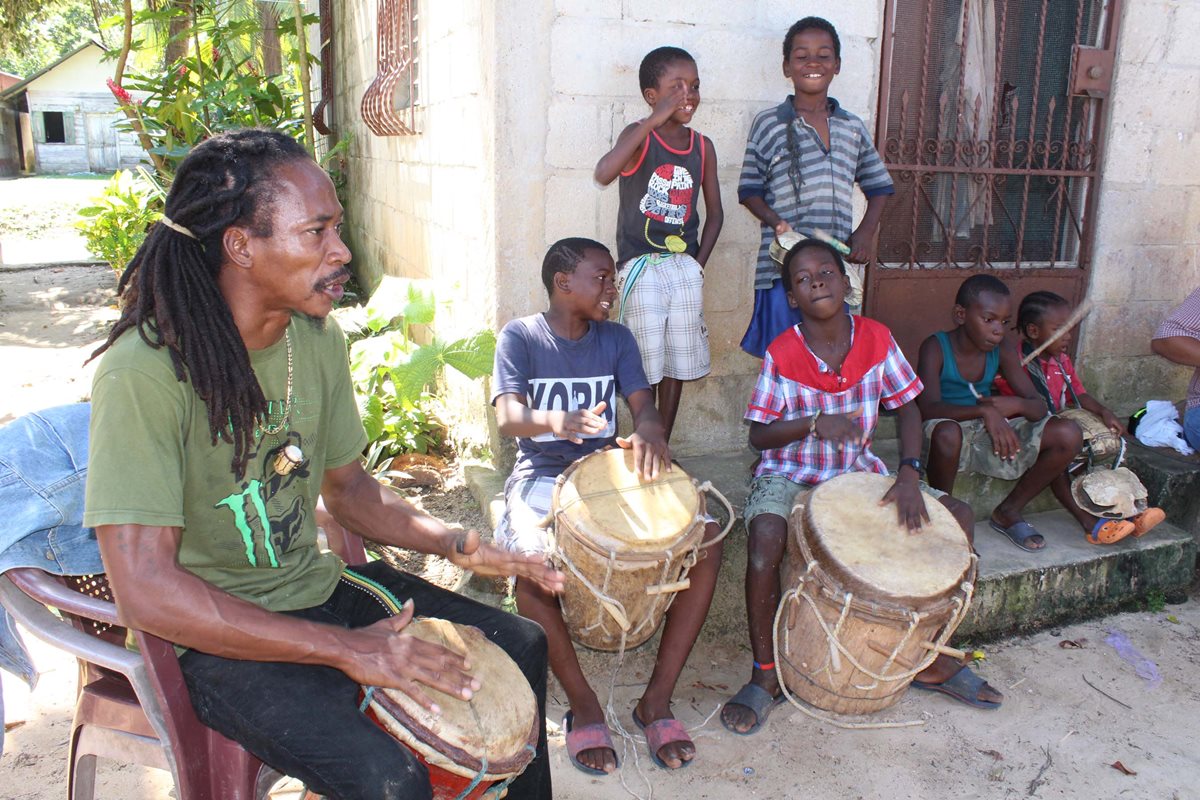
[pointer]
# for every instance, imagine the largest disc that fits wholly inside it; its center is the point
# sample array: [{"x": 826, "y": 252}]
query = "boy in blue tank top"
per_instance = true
[
  {"x": 1008, "y": 437},
  {"x": 663, "y": 164}
]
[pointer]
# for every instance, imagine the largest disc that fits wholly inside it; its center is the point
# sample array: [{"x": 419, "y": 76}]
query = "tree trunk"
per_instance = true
[
  {"x": 177, "y": 44},
  {"x": 272, "y": 56}
]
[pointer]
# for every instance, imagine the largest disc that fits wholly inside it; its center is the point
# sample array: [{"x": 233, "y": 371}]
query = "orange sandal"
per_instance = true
[
  {"x": 1110, "y": 531},
  {"x": 1146, "y": 520}
]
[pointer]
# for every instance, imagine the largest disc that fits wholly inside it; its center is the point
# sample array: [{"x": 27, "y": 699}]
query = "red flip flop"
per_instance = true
[{"x": 587, "y": 737}]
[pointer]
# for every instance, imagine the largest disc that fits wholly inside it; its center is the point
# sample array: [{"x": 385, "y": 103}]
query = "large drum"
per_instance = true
[
  {"x": 625, "y": 545},
  {"x": 477, "y": 743},
  {"x": 866, "y": 604},
  {"x": 1100, "y": 444}
]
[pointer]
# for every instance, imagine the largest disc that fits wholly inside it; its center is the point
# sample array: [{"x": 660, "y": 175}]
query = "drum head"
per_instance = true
[
  {"x": 862, "y": 544},
  {"x": 603, "y": 497},
  {"x": 499, "y": 721}
]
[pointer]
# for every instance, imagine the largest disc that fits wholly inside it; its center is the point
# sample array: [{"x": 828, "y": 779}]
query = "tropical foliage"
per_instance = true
[{"x": 116, "y": 225}]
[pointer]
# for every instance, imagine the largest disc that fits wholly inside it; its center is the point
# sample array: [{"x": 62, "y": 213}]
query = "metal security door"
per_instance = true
[{"x": 991, "y": 121}]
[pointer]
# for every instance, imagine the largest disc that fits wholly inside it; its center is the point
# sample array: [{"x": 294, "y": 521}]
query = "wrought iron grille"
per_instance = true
[
  {"x": 995, "y": 160},
  {"x": 389, "y": 106}
]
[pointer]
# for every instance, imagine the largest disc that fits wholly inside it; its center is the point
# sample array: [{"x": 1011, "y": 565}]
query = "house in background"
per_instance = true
[
  {"x": 67, "y": 118},
  {"x": 1054, "y": 145}
]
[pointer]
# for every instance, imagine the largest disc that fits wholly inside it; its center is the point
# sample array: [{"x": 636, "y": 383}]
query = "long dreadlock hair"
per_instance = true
[{"x": 169, "y": 291}]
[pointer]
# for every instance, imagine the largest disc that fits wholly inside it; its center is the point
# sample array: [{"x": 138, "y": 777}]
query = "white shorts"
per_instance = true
[
  {"x": 526, "y": 503},
  {"x": 662, "y": 302}
]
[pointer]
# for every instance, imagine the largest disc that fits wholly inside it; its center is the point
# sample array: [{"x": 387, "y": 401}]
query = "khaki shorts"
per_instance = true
[
  {"x": 979, "y": 455},
  {"x": 775, "y": 494}
]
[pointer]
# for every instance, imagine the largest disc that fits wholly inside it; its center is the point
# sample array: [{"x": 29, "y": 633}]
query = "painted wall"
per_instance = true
[{"x": 1148, "y": 232}]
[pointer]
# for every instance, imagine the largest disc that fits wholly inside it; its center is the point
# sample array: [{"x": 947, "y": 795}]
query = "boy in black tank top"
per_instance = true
[
  {"x": 1006, "y": 437},
  {"x": 663, "y": 166}
]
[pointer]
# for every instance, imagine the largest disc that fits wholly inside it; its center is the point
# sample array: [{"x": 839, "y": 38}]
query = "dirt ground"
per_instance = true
[{"x": 1070, "y": 714}]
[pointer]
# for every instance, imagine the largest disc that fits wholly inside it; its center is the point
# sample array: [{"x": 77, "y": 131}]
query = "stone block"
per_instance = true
[
  {"x": 1142, "y": 215},
  {"x": 731, "y": 60},
  {"x": 1129, "y": 152},
  {"x": 599, "y": 57},
  {"x": 709, "y": 416},
  {"x": 1168, "y": 95},
  {"x": 572, "y": 206},
  {"x": 1124, "y": 329},
  {"x": 1145, "y": 32},
  {"x": 680, "y": 16},
  {"x": 1177, "y": 157},
  {"x": 594, "y": 9},
  {"x": 1172, "y": 482},
  {"x": 1125, "y": 383},
  {"x": 577, "y": 132},
  {"x": 1184, "y": 27},
  {"x": 851, "y": 18}
]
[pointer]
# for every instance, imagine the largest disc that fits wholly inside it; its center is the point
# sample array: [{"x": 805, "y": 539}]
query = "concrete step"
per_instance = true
[{"x": 1016, "y": 591}]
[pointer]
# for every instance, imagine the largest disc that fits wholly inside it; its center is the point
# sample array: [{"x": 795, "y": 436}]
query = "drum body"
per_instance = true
[
  {"x": 863, "y": 596},
  {"x": 1100, "y": 445},
  {"x": 625, "y": 545},
  {"x": 494, "y": 733}
]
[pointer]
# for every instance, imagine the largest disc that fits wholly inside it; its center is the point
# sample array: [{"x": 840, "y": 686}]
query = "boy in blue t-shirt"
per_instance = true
[
  {"x": 556, "y": 380},
  {"x": 663, "y": 164}
]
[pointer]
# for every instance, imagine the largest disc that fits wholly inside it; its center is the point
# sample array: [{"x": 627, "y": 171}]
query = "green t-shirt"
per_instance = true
[{"x": 152, "y": 462}]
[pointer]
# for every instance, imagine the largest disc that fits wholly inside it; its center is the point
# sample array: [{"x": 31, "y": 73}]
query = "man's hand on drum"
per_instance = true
[
  {"x": 470, "y": 552},
  {"x": 651, "y": 454},
  {"x": 384, "y": 655},
  {"x": 910, "y": 503},
  {"x": 574, "y": 425},
  {"x": 840, "y": 429}
]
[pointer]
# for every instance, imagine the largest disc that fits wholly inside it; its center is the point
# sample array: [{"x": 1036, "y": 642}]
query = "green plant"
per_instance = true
[
  {"x": 393, "y": 374},
  {"x": 1156, "y": 600},
  {"x": 122, "y": 215}
]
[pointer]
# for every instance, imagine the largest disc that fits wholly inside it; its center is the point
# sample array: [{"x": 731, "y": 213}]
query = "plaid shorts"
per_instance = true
[
  {"x": 978, "y": 454},
  {"x": 662, "y": 302},
  {"x": 526, "y": 503}
]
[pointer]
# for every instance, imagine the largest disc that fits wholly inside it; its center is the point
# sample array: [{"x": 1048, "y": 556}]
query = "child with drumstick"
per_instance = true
[
  {"x": 1043, "y": 323},
  {"x": 812, "y": 413},
  {"x": 802, "y": 160},
  {"x": 556, "y": 379},
  {"x": 1007, "y": 437}
]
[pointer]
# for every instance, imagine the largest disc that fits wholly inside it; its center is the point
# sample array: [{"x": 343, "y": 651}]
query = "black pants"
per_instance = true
[{"x": 305, "y": 721}]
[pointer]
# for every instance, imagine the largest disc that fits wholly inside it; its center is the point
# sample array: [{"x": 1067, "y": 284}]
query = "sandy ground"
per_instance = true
[{"x": 1056, "y": 736}]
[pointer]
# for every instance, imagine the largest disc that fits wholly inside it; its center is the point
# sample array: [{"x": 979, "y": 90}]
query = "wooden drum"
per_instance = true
[
  {"x": 474, "y": 744},
  {"x": 625, "y": 545},
  {"x": 866, "y": 604}
]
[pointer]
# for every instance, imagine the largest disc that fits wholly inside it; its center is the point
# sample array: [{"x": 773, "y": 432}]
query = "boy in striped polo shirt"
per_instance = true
[
  {"x": 812, "y": 414},
  {"x": 802, "y": 160}
]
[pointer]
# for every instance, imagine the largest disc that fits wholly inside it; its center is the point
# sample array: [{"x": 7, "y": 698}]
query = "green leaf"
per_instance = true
[
  {"x": 473, "y": 355},
  {"x": 421, "y": 369},
  {"x": 373, "y": 417}
]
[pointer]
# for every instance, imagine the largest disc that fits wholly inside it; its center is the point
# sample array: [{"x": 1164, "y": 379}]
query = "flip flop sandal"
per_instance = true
[
  {"x": 758, "y": 700},
  {"x": 1110, "y": 531},
  {"x": 661, "y": 733},
  {"x": 1018, "y": 533},
  {"x": 588, "y": 737},
  {"x": 963, "y": 686},
  {"x": 1146, "y": 520}
]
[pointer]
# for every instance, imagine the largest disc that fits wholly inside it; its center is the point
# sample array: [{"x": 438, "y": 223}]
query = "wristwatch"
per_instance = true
[{"x": 915, "y": 463}]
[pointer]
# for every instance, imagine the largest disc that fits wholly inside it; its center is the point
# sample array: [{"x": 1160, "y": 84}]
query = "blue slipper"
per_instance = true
[
  {"x": 758, "y": 700},
  {"x": 1019, "y": 533},
  {"x": 964, "y": 687}
]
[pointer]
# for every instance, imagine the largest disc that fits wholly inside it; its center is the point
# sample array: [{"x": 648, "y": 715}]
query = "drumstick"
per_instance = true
[
  {"x": 836, "y": 244},
  {"x": 1071, "y": 322}
]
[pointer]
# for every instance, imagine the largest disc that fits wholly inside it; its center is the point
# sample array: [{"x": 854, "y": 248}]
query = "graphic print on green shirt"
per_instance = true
[{"x": 152, "y": 462}]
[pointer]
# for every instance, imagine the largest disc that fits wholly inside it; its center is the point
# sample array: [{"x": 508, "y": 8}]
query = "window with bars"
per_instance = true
[
  {"x": 994, "y": 158},
  {"x": 390, "y": 103}
]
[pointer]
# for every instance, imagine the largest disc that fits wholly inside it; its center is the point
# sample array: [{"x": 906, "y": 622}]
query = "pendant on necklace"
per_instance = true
[
  {"x": 288, "y": 459},
  {"x": 676, "y": 244}
]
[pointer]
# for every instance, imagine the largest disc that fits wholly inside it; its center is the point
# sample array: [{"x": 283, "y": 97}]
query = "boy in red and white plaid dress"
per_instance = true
[{"x": 812, "y": 414}]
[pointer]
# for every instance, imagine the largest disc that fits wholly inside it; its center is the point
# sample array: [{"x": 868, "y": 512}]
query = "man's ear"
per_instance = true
[
  {"x": 960, "y": 314},
  {"x": 236, "y": 246}
]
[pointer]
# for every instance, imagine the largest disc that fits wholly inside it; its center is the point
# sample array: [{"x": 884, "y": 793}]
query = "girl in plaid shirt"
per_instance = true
[{"x": 812, "y": 413}]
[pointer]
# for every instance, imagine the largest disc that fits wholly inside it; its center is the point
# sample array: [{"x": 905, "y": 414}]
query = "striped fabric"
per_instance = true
[
  {"x": 1185, "y": 321},
  {"x": 804, "y": 183}
]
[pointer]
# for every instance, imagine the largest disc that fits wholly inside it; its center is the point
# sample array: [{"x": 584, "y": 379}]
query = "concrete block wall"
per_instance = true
[
  {"x": 1148, "y": 230},
  {"x": 566, "y": 85}
]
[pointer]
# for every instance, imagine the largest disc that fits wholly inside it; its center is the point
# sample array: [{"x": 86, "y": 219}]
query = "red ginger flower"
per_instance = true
[{"x": 118, "y": 92}]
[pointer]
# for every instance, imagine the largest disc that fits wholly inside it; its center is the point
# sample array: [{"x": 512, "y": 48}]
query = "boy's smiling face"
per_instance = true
[
  {"x": 985, "y": 320},
  {"x": 679, "y": 72},
  {"x": 818, "y": 288},
  {"x": 812, "y": 63},
  {"x": 1052, "y": 320},
  {"x": 591, "y": 290}
]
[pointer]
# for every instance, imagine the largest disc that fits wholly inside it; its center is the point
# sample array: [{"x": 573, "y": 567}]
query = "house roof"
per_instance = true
[{"x": 14, "y": 90}]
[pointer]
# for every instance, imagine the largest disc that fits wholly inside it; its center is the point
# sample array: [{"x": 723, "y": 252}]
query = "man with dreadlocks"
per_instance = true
[{"x": 222, "y": 407}]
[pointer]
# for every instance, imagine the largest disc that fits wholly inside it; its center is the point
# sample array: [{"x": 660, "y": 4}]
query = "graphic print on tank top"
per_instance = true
[{"x": 668, "y": 199}]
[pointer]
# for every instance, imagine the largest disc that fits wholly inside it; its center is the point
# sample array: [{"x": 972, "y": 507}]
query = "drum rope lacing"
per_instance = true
[{"x": 962, "y": 605}]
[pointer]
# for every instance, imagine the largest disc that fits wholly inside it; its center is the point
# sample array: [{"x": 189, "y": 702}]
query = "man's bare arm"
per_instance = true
[
  {"x": 1183, "y": 350},
  {"x": 155, "y": 594}
]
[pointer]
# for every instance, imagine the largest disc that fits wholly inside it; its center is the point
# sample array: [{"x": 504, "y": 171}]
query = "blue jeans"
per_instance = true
[
  {"x": 1191, "y": 427},
  {"x": 305, "y": 721},
  {"x": 43, "y": 468}
]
